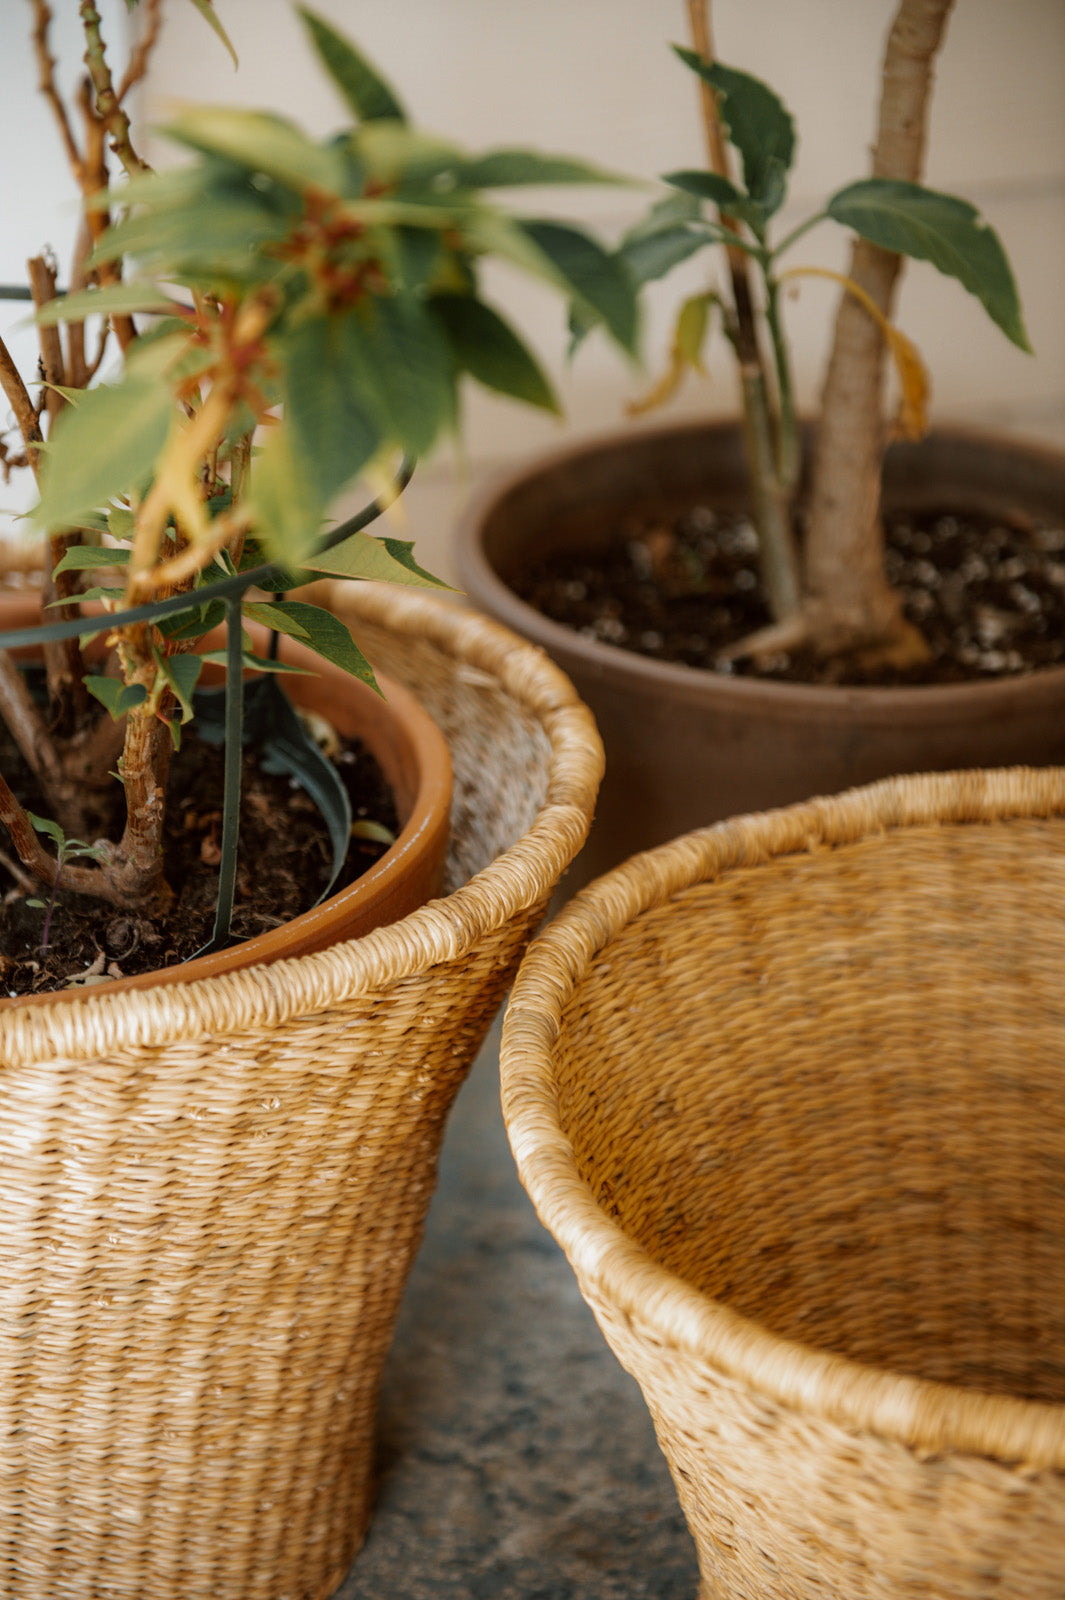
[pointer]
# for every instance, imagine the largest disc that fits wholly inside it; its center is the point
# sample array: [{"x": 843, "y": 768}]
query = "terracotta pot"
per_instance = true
[
  {"x": 414, "y": 758},
  {"x": 686, "y": 747}
]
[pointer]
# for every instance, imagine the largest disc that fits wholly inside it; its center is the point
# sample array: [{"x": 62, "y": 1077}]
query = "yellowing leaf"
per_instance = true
[{"x": 685, "y": 351}]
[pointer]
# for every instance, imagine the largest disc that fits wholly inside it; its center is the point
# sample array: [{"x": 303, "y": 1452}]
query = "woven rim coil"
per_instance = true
[
  {"x": 211, "y": 1194},
  {"x": 790, "y": 1093}
]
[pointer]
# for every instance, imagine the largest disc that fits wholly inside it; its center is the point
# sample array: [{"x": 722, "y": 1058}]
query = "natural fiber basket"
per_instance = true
[
  {"x": 790, "y": 1093},
  {"x": 210, "y": 1194}
]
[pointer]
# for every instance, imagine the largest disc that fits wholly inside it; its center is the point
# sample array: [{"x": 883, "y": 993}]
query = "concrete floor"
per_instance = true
[{"x": 518, "y": 1458}]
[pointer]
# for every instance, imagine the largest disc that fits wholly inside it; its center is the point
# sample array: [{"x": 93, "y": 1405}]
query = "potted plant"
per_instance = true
[
  {"x": 824, "y": 685},
  {"x": 235, "y": 1168}
]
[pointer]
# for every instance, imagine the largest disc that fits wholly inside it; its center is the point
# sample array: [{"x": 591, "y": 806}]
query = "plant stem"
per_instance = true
[
  {"x": 771, "y": 500},
  {"x": 849, "y": 600}
]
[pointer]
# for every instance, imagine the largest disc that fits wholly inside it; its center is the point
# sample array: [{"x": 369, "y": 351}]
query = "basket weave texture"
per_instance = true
[
  {"x": 211, "y": 1194},
  {"x": 790, "y": 1093}
]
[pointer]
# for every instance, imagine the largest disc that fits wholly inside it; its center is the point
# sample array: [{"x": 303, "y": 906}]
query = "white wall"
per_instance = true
[{"x": 596, "y": 78}]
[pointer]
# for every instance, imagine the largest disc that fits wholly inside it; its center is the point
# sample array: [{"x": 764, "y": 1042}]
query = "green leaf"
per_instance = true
[
  {"x": 653, "y": 255},
  {"x": 210, "y": 16},
  {"x": 759, "y": 125},
  {"x": 329, "y": 638},
  {"x": 203, "y": 618},
  {"x": 272, "y": 615},
  {"x": 364, "y": 90},
  {"x": 949, "y": 232},
  {"x": 596, "y": 280},
  {"x": 261, "y": 142},
  {"x": 118, "y": 299},
  {"x": 490, "y": 351},
  {"x": 182, "y": 673},
  {"x": 365, "y": 556},
  {"x": 286, "y": 507},
  {"x": 84, "y": 557},
  {"x": 101, "y": 448},
  {"x": 330, "y": 419},
  {"x": 730, "y": 201},
  {"x": 398, "y": 354},
  {"x": 117, "y": 697},
  {"x": 52, "y": 829},
  {"x": 220, "y": 230},
  {"x": 256, "y": 663},
  {"x": 507, "y": 169}
]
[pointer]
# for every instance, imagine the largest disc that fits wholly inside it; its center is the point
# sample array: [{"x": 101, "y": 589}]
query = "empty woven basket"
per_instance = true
[
  {"x": 211, "y": 1193},
  {"x": 790, "y": 1093}
]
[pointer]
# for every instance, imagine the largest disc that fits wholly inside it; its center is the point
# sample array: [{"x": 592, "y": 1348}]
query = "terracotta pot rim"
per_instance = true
[
  {"x": 696, "y": 683},
  {"x": 423, "y": 832}
]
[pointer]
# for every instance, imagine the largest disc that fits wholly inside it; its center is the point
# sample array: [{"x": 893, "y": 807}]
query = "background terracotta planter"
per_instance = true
[
  {"x": 414, "y": 758},
  {"x": 686, "y": 747},
  {"x": 213, "y": 1191}
]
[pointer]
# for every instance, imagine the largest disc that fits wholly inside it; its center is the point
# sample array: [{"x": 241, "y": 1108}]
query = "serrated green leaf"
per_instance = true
[
  {"x": 256, "y": 663},
  {"x": 596, "y": 280},
  {"x": 84, "y": 557},
  {"x": 275, "y": 616},
  {"x": 940, "y": 228},
  {"x": 182, "y": 673},
  {"x": 490, "y": 351},
  {"x": 759, "y": 126},
  {"x": 114, "y": 695},
  {"x": 363, "y": 88},
  {"x": 329, "y": 638},
  {"x": 508, "y": 169},
  {"x": 101, "y": 448},
  {"x": 261, "y": 142},
  {"x": 362, "y": 555}
]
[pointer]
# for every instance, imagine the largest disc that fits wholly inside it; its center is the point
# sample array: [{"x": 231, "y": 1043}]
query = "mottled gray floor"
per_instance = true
[{"x": 518, "y": 1458}]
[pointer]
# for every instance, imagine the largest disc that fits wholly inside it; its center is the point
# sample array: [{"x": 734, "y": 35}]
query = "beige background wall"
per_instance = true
[{"x": 596, "y": 78}]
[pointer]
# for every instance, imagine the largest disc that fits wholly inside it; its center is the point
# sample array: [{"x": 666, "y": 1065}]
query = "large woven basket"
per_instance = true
[
  {"x": 790, "y": 1093},
  {"x": 210, "y": 1194}
]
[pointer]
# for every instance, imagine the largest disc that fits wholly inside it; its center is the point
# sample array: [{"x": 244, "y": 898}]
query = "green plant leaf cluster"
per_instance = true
[
  {"x": 361, "y": 255},
  {"x": 904, "y": 217}
]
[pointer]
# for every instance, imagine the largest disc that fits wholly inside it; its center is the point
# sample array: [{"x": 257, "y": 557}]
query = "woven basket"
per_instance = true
[
  {"x": 790, "y": 1093},
  {"x": 210, "y": 1194}
]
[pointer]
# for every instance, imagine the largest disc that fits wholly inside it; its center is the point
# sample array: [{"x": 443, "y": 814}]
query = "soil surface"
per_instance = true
[
  {"x": 283, "y": 866},
  {"x": 987, "y": 594}
]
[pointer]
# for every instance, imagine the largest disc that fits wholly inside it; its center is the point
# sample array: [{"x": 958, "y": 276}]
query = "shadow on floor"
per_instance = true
[{"x": 518, "y": 1458}]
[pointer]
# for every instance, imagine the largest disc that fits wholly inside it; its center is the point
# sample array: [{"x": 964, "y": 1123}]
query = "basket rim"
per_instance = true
[
  {"x": 928, "y": 1416},
  {"x": 442, "y": 931}
]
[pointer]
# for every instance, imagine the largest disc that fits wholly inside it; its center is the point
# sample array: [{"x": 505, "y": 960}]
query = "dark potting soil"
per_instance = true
[
  {"x": 987, "y": 594},
  {"x": 283, "y": 866}
]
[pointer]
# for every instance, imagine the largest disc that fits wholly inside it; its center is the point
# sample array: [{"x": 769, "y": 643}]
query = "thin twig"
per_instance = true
[
  {"x": 142, "y": 51},
  {"x": 46, "y": 64},
  {"x": 19, "y": 400}
]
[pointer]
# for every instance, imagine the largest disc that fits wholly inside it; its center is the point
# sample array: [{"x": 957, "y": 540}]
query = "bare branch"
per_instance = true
[
  {"x": 46, "y": 65},
  {"x": 141, "y": 55},
  {"x": 19, "y": 400}
]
